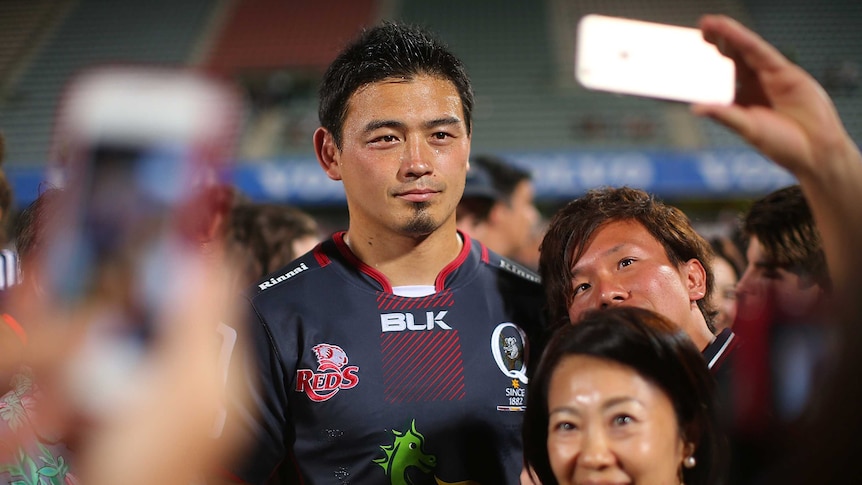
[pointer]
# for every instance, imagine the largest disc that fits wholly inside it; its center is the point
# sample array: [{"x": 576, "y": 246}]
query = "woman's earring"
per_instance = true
[{"x": 689, "y": 462}]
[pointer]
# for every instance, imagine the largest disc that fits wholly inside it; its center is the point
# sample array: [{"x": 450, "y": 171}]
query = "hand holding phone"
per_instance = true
[
  {"x": 140, "y": 150},
  {"x": 653, "y": 60}
]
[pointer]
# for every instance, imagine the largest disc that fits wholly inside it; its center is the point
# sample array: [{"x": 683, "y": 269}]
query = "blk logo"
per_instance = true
[
  {"x": 333, "y": 374},
  {"x": 399, "y": 322}
]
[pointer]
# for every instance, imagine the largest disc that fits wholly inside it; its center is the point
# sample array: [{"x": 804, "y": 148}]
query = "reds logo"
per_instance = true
[
  {"x": 333, "y": 374},
  {"x": 329, "y": 357}
]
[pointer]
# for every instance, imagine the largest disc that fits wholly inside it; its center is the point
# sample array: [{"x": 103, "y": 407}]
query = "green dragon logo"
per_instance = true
[{"x": 406, "y": 451}]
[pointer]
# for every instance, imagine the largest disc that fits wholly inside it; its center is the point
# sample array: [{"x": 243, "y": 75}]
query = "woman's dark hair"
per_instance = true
[
  {"x": 32, "y": 223},
  {"x": 262, "y": 235},
  {"x": 660, "y": 353}
]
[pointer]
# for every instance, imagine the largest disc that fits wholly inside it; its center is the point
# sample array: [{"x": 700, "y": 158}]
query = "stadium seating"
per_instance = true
[
  {"x": 519, "y": 54},
  {"x": 161, "y": 32},
  {"x": 825, "y": 39},
  {"x": 514, "y": 59}
]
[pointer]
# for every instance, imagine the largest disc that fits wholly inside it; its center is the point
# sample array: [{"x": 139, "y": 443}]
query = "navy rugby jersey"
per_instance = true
[{"x": 360, "y": 386}]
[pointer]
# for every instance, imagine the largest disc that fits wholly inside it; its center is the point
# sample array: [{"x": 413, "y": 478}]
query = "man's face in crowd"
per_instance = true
[
  {"x": 404, "y": 155},
  {"x": 624, "y": 264},
  {"x": 765, "y": 284},
  {"x": 521, "y": 215}
]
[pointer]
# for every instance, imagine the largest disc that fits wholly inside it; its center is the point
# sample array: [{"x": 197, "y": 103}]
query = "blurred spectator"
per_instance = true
[
  {"x": 785, "y": 321},
  {"x": 30, "y": 450},
  {"x": 270, "y": 236},
  {"x": 726, "y": 276},
  {"x": 787, "y": 271},
  {"x": 29, "y": 238},
  {"x": 725, "y": 293},
  {"x": 497, "y": 206},
  {"x": 13, "y": 335},
  {"x": 41, "y": 432},
  {"x": 528, "y": 255}
]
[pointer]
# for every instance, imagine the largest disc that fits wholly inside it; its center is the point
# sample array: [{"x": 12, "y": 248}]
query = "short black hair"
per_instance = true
[
  {"x": 390, "y": 50},
  {"x": 783, "y": 223},
  {"x": 491, "y": 179}
]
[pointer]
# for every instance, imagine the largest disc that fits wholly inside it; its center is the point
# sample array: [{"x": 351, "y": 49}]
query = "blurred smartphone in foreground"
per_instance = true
[
  {"x": 653, "y": 60},
  {"x": 139, "y": 150}
]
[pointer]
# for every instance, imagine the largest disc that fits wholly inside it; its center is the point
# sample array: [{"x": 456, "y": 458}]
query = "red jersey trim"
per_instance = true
[
  {"x": 440, "y": 282},
  {"x": 345, "y": 251},
  {"x": 321, "y": 257}
]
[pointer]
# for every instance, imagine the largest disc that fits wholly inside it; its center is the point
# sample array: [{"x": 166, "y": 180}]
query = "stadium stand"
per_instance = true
[
  {"x": 825, "y": 39},
  {"x": 278, "y": 50},
  {"x": 519, "y": 54},
  {"x": 513, "y": 58},
  {"x": 23, "y": 28},
  {"x": 276, "y": 34},
  {"x": 93, "y": 32}
]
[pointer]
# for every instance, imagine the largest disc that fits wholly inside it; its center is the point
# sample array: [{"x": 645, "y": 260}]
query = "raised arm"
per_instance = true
[{"x": 782, "y": 111}]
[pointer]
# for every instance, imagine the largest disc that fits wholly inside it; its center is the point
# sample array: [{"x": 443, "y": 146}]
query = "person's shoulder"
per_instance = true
[
  {"x": 301, "y": 271},
  {"x": 720, "y": 350},
  {"x": 510, "y": 269}
]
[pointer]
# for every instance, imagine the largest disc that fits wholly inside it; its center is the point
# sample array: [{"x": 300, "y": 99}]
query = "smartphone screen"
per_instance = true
[
  {"x": 139, "y": 149},
  {"x": 653, "y": 60},
  {"x": 117, "y": 216},
  {"x": 135, "y": 156}
]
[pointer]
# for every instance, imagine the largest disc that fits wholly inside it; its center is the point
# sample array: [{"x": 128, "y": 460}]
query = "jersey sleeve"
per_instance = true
[{"x": 259, "y": 416}]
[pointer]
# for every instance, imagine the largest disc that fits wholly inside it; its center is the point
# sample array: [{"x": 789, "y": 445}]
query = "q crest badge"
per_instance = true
[{"x": 509, "y": 349}]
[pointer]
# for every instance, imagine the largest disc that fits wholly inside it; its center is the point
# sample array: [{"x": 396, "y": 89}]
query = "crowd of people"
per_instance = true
[{"x": 418, "y": 345}]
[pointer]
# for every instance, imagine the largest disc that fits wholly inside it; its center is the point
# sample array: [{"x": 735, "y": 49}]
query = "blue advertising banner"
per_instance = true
[
  {"x": 708, "y": 174},
  {"x": 701, "y": 174}
]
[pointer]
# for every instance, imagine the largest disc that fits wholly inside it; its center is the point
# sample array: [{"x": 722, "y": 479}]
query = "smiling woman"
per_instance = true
[{"x": 622, "y": 397}]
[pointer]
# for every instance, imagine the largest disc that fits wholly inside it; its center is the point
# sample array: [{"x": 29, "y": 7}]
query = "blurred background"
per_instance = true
[{"x": 519, "y": 54}]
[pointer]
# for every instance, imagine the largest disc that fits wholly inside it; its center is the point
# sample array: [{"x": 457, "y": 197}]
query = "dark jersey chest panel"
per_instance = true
[{"x": 360, "y": 383}]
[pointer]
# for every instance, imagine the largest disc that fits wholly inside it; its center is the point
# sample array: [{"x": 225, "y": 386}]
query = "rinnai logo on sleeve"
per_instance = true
[
  {"x": 286, "y": 276},
  {"x": 333, "y": 374},
  {"x": 399, "y": 322}
]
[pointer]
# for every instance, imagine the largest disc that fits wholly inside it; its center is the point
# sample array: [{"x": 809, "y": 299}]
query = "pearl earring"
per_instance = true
[{"x": 689, "y": 461}]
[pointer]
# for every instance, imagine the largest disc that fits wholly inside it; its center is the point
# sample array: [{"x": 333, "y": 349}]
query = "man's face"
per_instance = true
[
  {"x": 521, "y": 216},
  {"x": 625, "y": 265},
  {"x": 404, "y": 154},
  {"x": 765, "y": 284}
]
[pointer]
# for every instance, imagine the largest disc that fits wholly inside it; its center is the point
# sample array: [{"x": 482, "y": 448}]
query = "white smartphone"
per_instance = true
[{"x": 669, "y": 62}]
